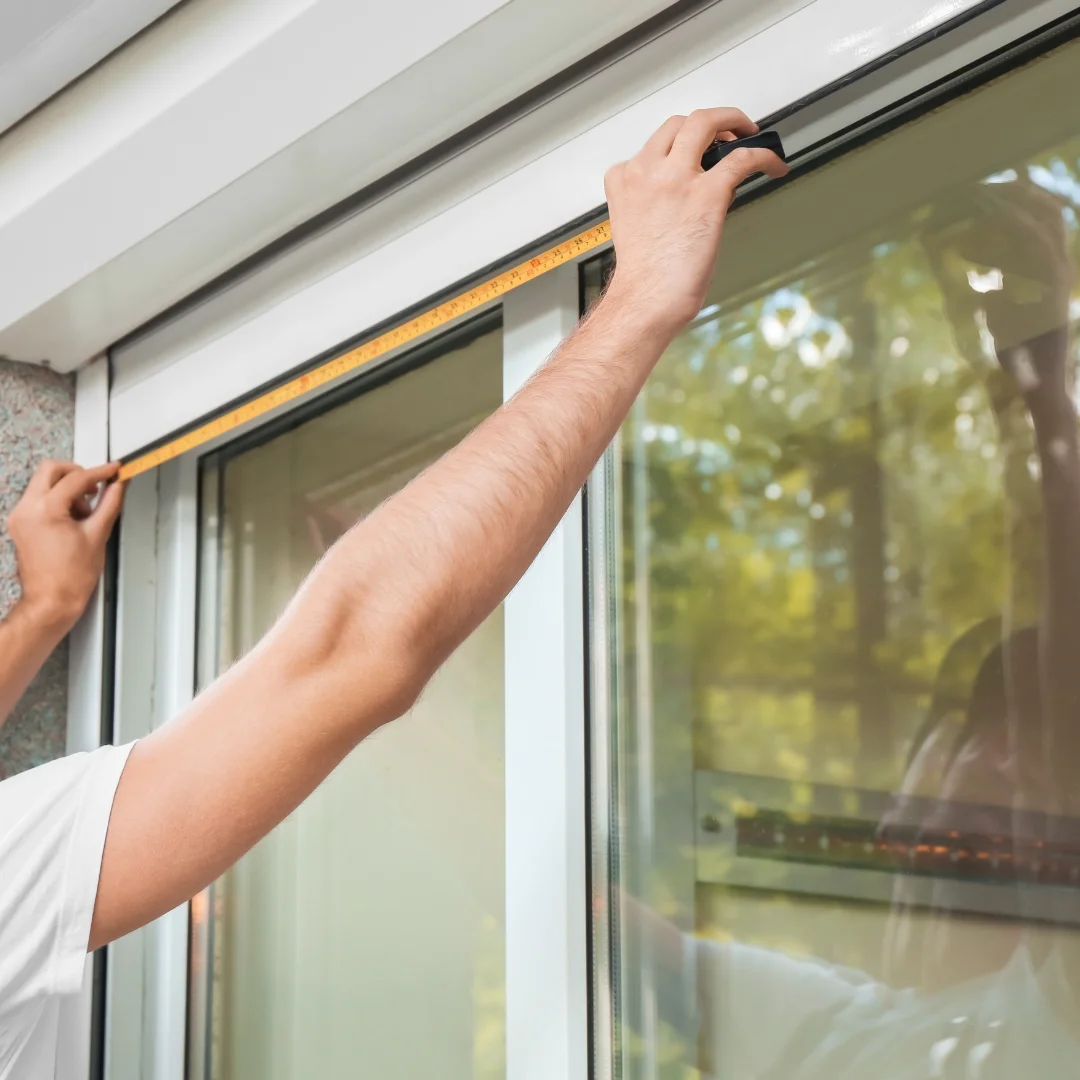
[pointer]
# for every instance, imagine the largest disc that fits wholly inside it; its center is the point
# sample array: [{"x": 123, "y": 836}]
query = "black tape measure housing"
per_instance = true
[{"x": 763, "y": 140}]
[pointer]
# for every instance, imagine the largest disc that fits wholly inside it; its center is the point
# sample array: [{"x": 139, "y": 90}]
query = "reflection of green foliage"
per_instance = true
[
  {"x": 489, "y": 1001},
  {"x": 829, "y": 490},
  {"x": 753, "y": 456}
]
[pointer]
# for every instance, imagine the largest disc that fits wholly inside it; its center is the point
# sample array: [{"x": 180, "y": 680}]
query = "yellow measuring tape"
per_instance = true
[{"x": 356, "y": 358}]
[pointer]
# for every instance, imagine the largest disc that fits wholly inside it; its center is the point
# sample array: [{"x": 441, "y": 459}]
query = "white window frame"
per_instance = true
[
  {"x": 546, "y": 896},
  {"x": 525, "y": 182},
  {"x": 184, "y": 371},
  {"x": 86, "y": 650}
]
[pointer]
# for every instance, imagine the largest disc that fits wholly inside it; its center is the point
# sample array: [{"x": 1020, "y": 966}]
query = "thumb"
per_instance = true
[{"x": 100, "y": 523}]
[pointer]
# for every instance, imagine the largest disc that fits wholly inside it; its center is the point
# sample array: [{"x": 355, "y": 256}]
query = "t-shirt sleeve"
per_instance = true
[
  {"x": 53, "y": 822},
  {"x": 757, "y": 999}
]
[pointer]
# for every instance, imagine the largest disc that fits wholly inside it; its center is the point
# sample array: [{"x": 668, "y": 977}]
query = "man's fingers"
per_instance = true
[
  {"x": 100, "y": 523},
  {"x": 82, "y": 482},
  {"x": 743, "y": 163},
  {"x": 702, "y": 128},
  {"x": 47, "y": 474},
  {"x": 661, "y": 141}
]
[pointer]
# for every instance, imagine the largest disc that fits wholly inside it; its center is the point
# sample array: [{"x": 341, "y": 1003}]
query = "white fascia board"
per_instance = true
[
  {"x": 65, "y": 46},
  {"x": 62, "y": 218},
  {"x": 230, "y": 122},
  {"x": 775, "y": 56}
]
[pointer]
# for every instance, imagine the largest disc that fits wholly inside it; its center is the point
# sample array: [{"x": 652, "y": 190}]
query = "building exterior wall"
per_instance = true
[{"x": 37, "y": 412}]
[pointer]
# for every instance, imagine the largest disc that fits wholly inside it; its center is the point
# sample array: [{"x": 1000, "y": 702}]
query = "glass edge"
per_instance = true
[
  {"x": 201, "y": 949},
  {"x": 599, "y": 503}
]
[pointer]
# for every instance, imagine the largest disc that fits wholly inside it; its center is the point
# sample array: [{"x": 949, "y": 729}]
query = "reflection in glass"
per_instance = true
[
  {"x": 365, "y": 935},
  {"x": 847, "y": 726}
]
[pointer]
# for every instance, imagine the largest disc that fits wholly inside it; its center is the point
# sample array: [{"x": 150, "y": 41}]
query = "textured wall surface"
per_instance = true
[{"x": 37, "y": 412}]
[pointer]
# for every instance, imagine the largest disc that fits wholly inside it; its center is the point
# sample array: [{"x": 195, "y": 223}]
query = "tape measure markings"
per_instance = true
[{"x": 371, "y": 350}]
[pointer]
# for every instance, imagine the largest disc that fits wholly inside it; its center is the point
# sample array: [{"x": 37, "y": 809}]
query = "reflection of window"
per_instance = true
[
  {"x": 364, "y": 936},
  {"x": 844, "y": 719}
]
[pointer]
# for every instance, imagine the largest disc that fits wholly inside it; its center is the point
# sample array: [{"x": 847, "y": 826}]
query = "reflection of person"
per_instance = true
[
  {"x": 1018, "y": 231},
  {"x": 945, "y": 1008},
  {"x": 59, "y": 532},
  {"x": 93, "y": 846}
]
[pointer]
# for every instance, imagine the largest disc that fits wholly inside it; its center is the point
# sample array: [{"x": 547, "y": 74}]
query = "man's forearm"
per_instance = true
[
  {"x": 27, "y": 637},
  {"x": 431, "y": 563}
]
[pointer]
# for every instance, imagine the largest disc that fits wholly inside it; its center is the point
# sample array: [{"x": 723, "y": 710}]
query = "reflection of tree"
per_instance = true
[
  {"x": 842, "y": 483},
  {"x": 826, "y": 510},
  {"x": 865, "y": 482}
]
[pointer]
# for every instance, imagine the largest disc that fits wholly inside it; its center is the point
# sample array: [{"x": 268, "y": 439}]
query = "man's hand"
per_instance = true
[
  {"x": 60, "y": 535},
  {"x": 667, "y": 213}
]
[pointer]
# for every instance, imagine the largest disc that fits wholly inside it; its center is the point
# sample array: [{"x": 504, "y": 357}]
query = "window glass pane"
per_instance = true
[
  {"x": 365, "y": 935},
  {"x": 847, "y": 634}
]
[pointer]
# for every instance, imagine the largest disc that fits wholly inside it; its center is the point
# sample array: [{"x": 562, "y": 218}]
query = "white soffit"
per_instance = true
[
  {"x": 46, "y": 44},
  {"x": 231, "y": 121}
]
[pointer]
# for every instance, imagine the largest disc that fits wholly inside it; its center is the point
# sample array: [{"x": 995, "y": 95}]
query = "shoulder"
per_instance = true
[{"x": 53, "y": 822}]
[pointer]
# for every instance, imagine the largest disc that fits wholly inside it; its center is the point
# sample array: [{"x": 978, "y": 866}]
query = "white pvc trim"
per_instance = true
[
  {"x": 91, "y": 447},
  {"x": 333, "y": 53},
  {"x": 546, "y": 899},
  {"x": 147, "y": 972},
  {"x": 87, "y": 33},
  {"x": 230, "y": 122},
  {"x": 810, "y": 48},
  {"x": 125, "y": 1009},
  {"x": 85, "y": 666},
  {"x": 174, "y": 689}
]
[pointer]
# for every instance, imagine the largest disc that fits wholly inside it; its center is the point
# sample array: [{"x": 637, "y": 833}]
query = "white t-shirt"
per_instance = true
[
  {"x": 53, "y": 821},
  {"x": 769, "y": 1016}
]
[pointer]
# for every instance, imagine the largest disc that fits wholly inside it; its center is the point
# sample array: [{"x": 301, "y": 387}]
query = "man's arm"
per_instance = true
[
  {"x": 399, "y": 592},
  {"x": 60, "y": 536}
]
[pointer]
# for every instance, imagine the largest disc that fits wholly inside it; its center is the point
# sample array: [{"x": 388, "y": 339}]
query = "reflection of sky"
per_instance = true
[
  {"x": 1058, "y": 179},
  {"x": 787, "y": 317}
]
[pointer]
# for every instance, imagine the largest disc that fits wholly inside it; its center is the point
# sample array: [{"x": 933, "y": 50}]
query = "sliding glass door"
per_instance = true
[
  {"x": 365, "y": 936},
  {"x": 837, "y": 589}
]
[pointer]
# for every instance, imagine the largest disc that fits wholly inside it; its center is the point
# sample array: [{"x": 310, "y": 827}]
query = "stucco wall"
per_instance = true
[{"x": 37, "y": 411}]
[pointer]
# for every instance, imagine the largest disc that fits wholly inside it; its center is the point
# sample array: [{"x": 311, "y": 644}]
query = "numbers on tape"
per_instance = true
[{"x": 369, "y": 351}]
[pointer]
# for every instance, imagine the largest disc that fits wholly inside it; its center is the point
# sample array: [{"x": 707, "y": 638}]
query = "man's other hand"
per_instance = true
[
  {"x": 60, "y": 528},
  {"x": 667, "y": 214}
]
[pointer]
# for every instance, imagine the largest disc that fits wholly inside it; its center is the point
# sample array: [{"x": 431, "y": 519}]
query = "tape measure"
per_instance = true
[{"x": 370, "y": 351}]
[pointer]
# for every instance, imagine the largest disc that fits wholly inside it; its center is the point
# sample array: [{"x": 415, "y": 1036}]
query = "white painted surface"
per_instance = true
[
  {"x": 45, "y": 44},
  {"x": 91, "y": 447},
  {"x": 147, "y": 972},
  {"x": 85, "y": 665},
  {"x": 231, "y": 121},
  {"x": 546, "y": 893},
  {"x": 125, "y": 1010},
  {"x": 527, "y": 181},
  {"x": 174, "y": 688}
]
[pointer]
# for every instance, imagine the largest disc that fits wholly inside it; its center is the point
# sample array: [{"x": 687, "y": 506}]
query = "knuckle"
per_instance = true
[{"x": 737, "y": 163}]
